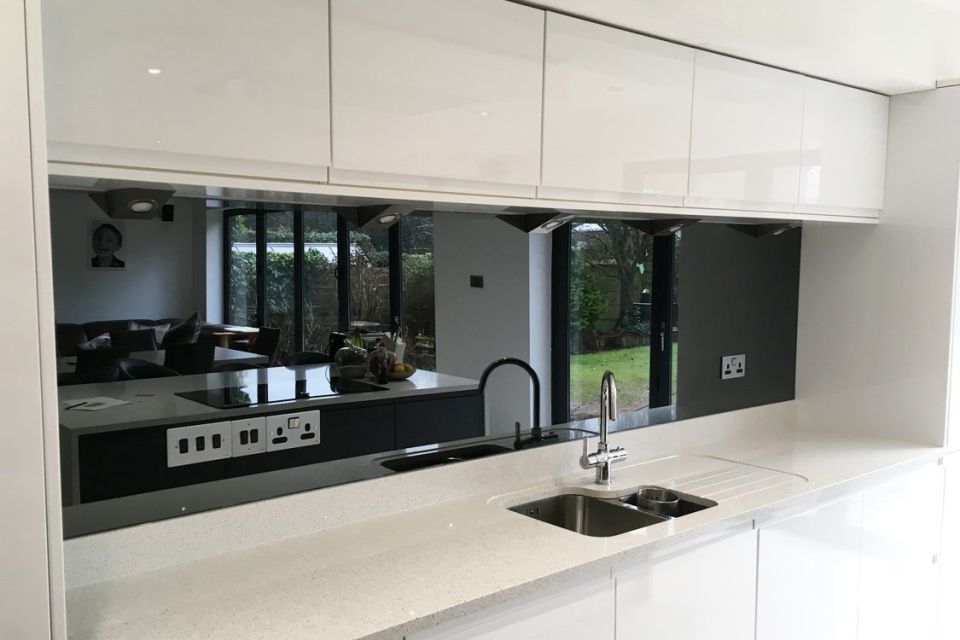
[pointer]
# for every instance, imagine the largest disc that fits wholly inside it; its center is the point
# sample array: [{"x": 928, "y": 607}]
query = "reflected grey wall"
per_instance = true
[{"x": 737, "y": 294}]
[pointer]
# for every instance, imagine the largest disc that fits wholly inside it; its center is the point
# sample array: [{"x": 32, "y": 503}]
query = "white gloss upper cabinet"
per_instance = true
[
  {"x": 221, "y": 86},
  {"x": 813, "y": 559},
  {"x": 899, "y": 574},
  {"x": 616, "y": 114},
  {"x": 745, "y": 140},
  {"x": 844, "y": 147},
  {"x": 705, "y": 592},
  {"x": 437, "y": 94}
]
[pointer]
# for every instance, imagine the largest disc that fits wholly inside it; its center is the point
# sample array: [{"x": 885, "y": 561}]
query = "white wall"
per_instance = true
[
  {"x": 507, "y": 317},
  {"x": 208, "y": 260},
  {"x": 874, "y": 326},
  {"x": 159, "y": 280},
  {"x": 31, "y": 577},
  {"x": 541, "y": 318}
]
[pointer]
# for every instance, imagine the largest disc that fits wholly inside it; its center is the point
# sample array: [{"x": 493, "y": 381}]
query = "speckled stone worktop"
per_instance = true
[{"x": 388, "y": 556}]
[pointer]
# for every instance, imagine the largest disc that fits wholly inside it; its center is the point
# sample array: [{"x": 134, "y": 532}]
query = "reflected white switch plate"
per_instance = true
[
  {"x": 733, "y": 366},
  {"x": 249, "y": 436},
  {"x": 290, "y": 430}
]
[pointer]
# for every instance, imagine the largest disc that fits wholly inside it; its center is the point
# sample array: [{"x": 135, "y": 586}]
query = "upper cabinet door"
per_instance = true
[
  {"x": 616, "y": 114},
  {"x": 745, "y": 146},
  {"x": 844, "y": 147},
  {"x": 222, "y": 86},
  {"x": 437, "y": 94}
]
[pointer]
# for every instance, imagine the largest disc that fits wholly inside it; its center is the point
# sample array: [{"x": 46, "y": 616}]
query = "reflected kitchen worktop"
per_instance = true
[
  {"x": 386, "y": 557},
  {"x": 154, "y": 402}
]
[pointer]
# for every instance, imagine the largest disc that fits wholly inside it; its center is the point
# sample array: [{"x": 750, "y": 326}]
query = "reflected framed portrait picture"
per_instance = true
[{"x": 106, "y": 245}]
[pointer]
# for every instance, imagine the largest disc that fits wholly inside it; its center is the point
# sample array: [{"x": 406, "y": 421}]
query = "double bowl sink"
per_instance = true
[{"x": 605, "y": 517}]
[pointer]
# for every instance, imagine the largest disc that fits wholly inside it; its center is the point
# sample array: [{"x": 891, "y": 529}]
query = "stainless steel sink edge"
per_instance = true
[{"x": 617, "y": 513}]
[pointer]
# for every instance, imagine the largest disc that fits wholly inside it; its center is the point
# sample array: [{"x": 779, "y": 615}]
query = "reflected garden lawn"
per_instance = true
[{"x": 632, "y": 369}]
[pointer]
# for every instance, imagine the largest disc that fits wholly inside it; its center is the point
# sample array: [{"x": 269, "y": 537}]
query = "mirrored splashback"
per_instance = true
[{"x": 215, "y": 353}]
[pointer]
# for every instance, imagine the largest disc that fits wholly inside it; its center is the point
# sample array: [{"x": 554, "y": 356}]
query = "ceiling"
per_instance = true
[{"x": 888, "y": 46}]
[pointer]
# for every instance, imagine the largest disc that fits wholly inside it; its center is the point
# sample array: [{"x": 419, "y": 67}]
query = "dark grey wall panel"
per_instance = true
[{"x": 737, "y": 294}]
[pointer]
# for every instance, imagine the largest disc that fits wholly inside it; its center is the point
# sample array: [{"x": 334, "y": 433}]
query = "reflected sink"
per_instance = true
[
  {"x": 444, "y": 456},
  {"x": 604, "y": 517}
]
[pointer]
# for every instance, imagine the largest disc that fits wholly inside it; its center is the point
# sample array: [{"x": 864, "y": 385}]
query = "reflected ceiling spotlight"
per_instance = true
[
  {"x": 662, "y": 227},
  {"x": 761, "y": 230},
  {"x": 530, "y": 220},
  {"x": 377, "y": 216},
  {"x": 134, "y": 203}
]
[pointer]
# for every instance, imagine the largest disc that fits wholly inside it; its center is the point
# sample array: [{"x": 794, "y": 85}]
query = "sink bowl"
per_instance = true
[
  {"x": 588, "y": 516},
  {"x": 685, "y": 503},
  {"x": 605, "y": 517},
  {"x": 444, "y": 456}
]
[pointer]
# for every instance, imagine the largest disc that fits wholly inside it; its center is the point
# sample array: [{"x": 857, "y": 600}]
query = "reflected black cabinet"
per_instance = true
[
  {"x": 127, "y": 462},
  {"x": 421, "y": 422}
]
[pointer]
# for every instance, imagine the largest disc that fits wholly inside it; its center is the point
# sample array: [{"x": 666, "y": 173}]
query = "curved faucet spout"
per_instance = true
[
  {"x": 604, "y": 457},
  {"x": 533, "y": 377},
  {"x": 608, "y": 403}
]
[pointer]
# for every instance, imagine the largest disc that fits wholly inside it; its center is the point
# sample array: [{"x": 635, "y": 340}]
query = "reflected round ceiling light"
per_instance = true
[
  {"x": 154, "y": 71},
  {"x": 142, "y": 206},
  {"x": 388, "y": 218}
]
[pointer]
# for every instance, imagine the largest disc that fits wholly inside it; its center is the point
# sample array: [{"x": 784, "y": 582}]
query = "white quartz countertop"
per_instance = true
[
  {"x": 389, "y": 575},
  {"x": 154, "y": 401}
]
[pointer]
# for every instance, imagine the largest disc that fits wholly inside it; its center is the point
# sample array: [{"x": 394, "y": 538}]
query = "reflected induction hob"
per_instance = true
[{"x": 281, "y": 386}]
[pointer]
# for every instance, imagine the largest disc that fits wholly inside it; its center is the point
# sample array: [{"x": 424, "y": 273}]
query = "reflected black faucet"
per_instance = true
[{"x": 535, "y": 427}]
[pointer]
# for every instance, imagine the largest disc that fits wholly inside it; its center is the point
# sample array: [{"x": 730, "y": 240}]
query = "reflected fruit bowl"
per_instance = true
[{"x": 396, "y": 374}]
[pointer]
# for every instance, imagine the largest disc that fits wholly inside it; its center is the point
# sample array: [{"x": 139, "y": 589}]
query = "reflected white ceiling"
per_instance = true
[{"x": 889, "y": 46}]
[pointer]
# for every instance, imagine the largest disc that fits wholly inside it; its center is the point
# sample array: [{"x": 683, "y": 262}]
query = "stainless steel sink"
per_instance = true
[{"x": 604, "y": 517}]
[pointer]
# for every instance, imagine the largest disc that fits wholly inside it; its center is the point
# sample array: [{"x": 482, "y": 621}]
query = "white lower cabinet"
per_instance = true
[
  {"x": 899, "y": 574},
  {"x": 577, "y": 613},
  {"x": 808, "y": 574},
  {"x": 862, "y": 568},
  {"x": 949, "y": 619},
  {"x": 705, "y": 592}
]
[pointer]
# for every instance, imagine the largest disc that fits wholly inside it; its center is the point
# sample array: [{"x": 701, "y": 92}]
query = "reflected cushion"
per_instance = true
[
  {"x": 103, "y": 341},
  {"x": 185, "y": 332},
  {"x": 160, "y": 330}
]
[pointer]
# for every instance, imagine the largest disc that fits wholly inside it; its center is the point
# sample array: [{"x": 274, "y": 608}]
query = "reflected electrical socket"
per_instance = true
[{"x": 733, "y": 366}]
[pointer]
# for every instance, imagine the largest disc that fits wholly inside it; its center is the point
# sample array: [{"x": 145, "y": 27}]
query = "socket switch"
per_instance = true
[
  {"x": 199, "y": 443},
  {"x": 249, "y": 436},
  {"x": 291, "y": 430},
  {"x": 733, "y": 366}
]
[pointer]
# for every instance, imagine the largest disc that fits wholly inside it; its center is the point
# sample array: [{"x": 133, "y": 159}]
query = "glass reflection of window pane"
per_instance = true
[
  {"x": 610, "y": 298},
  {"x": 369, "y": 280},
  {"x": 319, "y": 278},
  {"x": 675, "y": 331},
  {"x": 419, "y": 307},
  {"x": 242, "y": 275},
  {"x": 278, "y": 311}
]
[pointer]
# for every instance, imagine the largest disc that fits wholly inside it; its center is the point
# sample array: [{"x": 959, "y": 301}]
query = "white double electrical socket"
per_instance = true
[
  {"x": 291, "y": 430},
  {"x": 249, "y": 436},
  {"x": 733, "y": 366},
  {"x": 199, "y": 443}
]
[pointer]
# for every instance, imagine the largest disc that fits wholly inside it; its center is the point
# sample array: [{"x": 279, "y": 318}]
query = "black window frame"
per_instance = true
[
  {"x": 342, "y": 272},
  {"x": 661, "y": 323}
]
